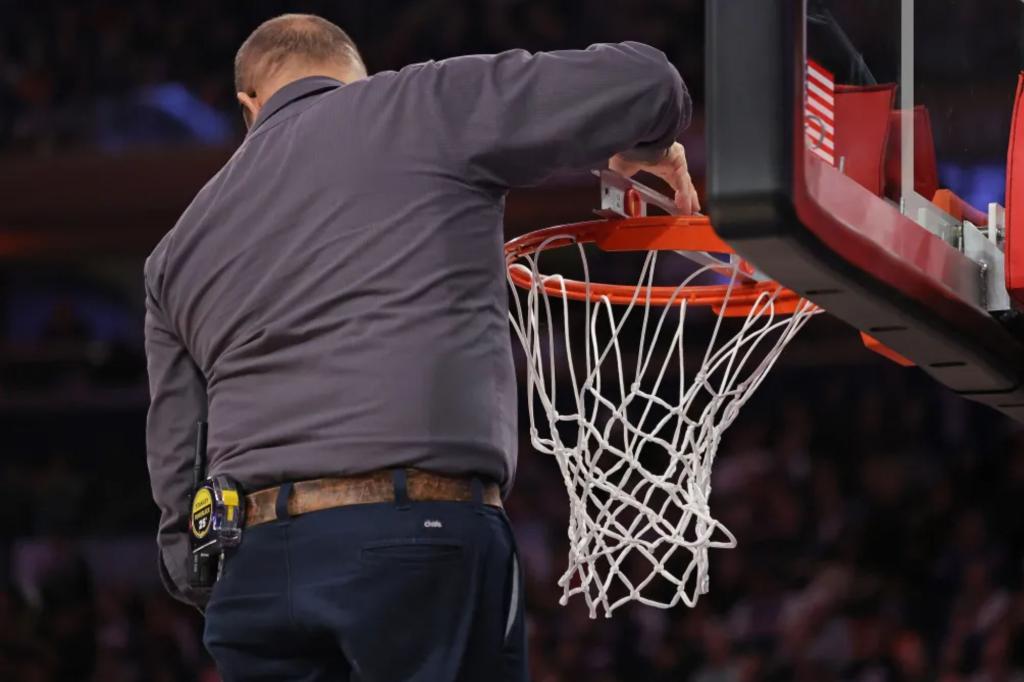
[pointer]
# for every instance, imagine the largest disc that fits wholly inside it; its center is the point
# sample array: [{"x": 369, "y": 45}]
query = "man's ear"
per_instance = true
[{"x": 250, "y": 107}]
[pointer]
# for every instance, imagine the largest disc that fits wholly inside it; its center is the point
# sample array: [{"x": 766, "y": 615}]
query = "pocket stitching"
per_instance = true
[
  {"x": 406, "y": 542},
  {"x": 455, "y": 550}
]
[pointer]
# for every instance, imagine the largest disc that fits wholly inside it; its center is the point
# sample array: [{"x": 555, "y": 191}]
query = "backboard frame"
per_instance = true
[{"x": 818, "y": 232}]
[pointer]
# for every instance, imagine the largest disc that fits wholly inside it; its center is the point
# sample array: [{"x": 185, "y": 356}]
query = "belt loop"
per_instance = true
[
  {"x": 477, "y": 487},
  {"x": 400, "y": 481},
  {"x": 284, "y": 493}
]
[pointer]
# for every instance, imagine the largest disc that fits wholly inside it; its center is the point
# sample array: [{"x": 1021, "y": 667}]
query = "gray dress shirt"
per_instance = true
[{"x": 334, "y": 300}]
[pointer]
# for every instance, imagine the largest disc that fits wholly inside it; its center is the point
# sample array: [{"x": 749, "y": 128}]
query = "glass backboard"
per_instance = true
[
  {"x": 951, "y": 69},
  {"x": 858, "y": 154}
]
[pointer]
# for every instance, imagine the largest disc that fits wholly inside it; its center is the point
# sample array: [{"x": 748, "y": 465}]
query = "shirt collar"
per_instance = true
[{"x": 294, "y": 91}]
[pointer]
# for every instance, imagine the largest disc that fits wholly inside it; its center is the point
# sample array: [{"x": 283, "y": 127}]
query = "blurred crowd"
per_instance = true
[
  {"x": 880, "y": 540},
  {"x": 121, "y": 73},
  {"x": 118, "y": 74},
  {"x": 68, "y": 338}
]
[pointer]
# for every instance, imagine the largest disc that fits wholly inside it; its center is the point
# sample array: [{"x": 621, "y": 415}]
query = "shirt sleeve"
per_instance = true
[
  {"x": 177, "y": 391},
  {"x": 515, "y": 118}
]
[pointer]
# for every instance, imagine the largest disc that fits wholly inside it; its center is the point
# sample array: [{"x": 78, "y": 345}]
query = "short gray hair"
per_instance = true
[{"x": 302, "y": 38}]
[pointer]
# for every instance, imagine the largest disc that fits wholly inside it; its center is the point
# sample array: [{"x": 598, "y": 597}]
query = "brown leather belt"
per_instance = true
[{"x": 328, "y": 493}]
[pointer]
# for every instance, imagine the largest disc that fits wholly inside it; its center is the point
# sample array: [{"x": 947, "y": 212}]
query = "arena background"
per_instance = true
[{"x": 879, "y": 516}]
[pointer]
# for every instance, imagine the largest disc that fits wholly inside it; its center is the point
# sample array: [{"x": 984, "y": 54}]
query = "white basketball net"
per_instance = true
[{"x": 635, "y": 427}]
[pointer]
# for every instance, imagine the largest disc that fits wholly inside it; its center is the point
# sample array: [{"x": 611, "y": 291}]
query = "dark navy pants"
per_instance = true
[{"x": 404, "y": 591}]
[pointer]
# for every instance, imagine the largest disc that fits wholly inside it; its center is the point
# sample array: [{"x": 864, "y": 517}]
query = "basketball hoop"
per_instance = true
[{"x": 635, "y": 433}]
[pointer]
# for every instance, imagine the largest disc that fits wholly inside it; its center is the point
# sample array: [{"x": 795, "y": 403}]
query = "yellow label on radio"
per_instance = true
[{"x": 202, "y": 513}]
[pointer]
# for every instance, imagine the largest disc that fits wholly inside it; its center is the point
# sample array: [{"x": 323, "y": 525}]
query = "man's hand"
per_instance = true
[{"x": 671, "y": 168}]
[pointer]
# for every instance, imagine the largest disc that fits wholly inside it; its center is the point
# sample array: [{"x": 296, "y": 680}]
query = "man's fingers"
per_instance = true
[
  {"x": 677, "y": 157},
  {"x": 673, "y": 169},
  {"x": 683, "y": 202},
  {"x": 623, "y": 167},
  {"x": 691, "y": 193},
  {"x": 686, "y": 198},
  {"x": 676, "y": 178}
]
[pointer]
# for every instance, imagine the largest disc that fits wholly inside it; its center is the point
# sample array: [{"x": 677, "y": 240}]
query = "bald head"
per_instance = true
[{"x": 290, "y": 47}]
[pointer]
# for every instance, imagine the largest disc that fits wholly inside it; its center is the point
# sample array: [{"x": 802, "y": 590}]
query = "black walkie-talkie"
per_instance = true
[
  {"x": 204, "y": 555},
  {"x": 215, "y": 521}
]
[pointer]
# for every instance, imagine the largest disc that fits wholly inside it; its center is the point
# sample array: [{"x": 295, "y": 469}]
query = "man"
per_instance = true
[{"x": 333, "y": 302}]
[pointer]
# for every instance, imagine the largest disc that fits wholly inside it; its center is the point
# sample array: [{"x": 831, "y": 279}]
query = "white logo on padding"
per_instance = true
[{"x": 431, "y": 523}]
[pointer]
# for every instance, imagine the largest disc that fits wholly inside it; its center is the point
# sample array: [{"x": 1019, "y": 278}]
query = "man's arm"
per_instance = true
[
  {"x": 515, "y": 118},
  {"x": 177, "y": 392}
]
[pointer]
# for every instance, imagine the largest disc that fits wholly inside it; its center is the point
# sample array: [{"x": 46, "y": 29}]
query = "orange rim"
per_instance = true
[{"x": 651, "y": 233}]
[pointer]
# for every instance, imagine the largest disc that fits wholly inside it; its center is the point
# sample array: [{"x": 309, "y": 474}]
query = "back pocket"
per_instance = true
[{"x": 412, "y": 550}]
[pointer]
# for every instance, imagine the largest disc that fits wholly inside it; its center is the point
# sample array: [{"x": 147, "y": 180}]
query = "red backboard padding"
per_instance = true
[
  {"x": 926, "y": 169},
  {"x": 1014, "y": 246},
  {"x": 958, "y": 208},
  {"x": 862, "y": 131}
]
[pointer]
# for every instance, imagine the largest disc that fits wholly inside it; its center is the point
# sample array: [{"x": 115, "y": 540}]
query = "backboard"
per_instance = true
[{"x": 857, "y": 154}]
